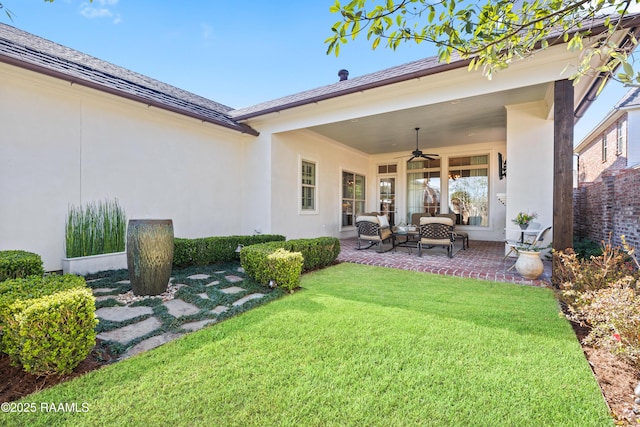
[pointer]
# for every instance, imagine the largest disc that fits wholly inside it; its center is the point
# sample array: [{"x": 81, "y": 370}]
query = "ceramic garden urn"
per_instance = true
[
  {"x": 149, "y": 255},
  {"x": 529, "y": 264}
]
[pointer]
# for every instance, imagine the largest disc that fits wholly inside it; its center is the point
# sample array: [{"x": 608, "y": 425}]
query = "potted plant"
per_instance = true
[
  {"x": 524, "y": 218},
  {"x": 95, "y": 237}
]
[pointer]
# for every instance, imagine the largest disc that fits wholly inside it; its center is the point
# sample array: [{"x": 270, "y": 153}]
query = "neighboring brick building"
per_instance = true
[
  {"x": 614, "y": 143},
  {"x": 607, "y": 197}
]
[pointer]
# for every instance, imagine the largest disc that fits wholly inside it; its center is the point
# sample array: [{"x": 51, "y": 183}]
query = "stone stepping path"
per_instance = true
[{"x": 176, "y": 308}]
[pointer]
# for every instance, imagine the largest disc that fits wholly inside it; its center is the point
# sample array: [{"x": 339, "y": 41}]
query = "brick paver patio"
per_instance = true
[{"x": 483, "y": 260}]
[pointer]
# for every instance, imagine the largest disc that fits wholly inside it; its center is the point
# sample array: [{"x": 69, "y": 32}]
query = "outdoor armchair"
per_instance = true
[
  {"x": 464, "y": 236},
  {"x": 374, "y": 230},
  {"x": 436, "y": 231}
]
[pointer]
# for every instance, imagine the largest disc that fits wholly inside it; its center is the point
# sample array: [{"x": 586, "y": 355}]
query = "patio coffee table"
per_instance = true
[{"x": 406, "y": 239}]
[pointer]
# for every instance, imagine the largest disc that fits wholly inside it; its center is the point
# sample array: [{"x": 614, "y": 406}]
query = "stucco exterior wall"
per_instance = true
[
  {"x": 64, "y": 144},
  {"x": 530, "y": 148},
  {"x": 331, "y": 158}
]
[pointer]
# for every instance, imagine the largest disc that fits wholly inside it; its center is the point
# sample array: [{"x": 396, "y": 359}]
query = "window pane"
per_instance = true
[
  {"x": 347, "y": 185},
  {"x": 359, "y": 187},
  {"x": 468, "y": 196},
  {"x": 308, "y": 199},
  {"x": 423, "y": 192},
  {"x": 353, "y": 197},
  {"x": 423, "y": 164},
  {"x": 308, "y": 173},
  {"x": 347, "y": 213}
]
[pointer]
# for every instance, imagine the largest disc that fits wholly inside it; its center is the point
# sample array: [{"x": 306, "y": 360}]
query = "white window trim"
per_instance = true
[{"x": 301, "y": 211}]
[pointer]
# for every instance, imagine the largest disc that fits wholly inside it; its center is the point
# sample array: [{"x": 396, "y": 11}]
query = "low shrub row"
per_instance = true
[
  {"x": 47, "y": 323},
  {"x": 316, "y": 253},
  {"x": 14, "y": 264},
  {"x": 214, "y": 250},
  {"x": 602, "y": 292}
]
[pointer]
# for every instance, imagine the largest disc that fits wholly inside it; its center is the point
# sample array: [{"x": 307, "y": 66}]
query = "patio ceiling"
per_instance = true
[{"x": 457, "y": 122}]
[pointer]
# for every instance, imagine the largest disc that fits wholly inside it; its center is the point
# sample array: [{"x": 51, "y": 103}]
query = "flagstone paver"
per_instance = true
[
  {"x": 203, "y": 295},
  {"x": 198, "y": 276},
  {"x": 103, "y": 290},
  {"x": 233, "y": 278},
  {"x": 217, "y": 282},
  {"x": 179, "y": 308},
  {"x": 130, "y": 332},
  {"x": 118, "y": 314},
  {"x": 150, "y": 343},
  {"x": 232, "y": 290},
  {"x": 248, "y": 298},
  {"x": 219, "y": 309},
  {"x": 124, "y": 282},
  {"x": 195, "y": 326}
]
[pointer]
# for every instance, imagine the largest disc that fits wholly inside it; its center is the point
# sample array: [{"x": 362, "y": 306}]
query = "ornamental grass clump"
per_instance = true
[{"x": 94, "y": 229}]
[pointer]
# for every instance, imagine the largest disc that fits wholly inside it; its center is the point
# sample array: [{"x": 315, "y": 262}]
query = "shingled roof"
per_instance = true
[
  {"x": 29, "y": 51},
  {"x": 408, "y": 71}
]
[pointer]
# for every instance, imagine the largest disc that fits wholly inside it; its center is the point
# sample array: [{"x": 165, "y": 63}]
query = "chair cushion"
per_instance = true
[
  {"x": 426, "y": 241},
  {"x": 415, "y": 218},
  {"x": 383, "y": 221},
  {"x": 385, "y": 233},
  {"x": 436, "y": 220},
  {"x": 369, "y": 218}
]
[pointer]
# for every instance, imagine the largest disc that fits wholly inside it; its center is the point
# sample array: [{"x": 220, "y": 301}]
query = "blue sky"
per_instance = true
[{"x": 236, "y": 53}]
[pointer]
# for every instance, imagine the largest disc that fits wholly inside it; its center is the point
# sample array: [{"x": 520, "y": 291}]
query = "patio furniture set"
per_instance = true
[{"x": 426, "y": 232}]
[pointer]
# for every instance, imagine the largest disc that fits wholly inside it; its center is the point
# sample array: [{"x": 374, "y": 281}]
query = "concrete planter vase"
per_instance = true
[
  {"x": 149, "y": 255},
  {"x": 529, "y": 264}
]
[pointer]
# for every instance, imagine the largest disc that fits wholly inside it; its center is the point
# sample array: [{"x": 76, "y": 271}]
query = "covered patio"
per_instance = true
[{"x": 483, "y": 260}]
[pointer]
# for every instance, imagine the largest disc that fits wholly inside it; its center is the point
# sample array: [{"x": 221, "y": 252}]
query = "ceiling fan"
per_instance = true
[{"x": 418, "y": 153}]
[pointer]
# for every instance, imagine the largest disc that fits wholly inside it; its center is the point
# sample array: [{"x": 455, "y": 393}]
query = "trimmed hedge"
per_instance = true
[
  {"x": 48, "y": 323},
  {"x": 52, "y": 334},
  {"x": 285, "y": 268},
  {"x": 214, "y": 250},
  {"x": 15, "y": 264},
  {"x": 316, "y": 253}
]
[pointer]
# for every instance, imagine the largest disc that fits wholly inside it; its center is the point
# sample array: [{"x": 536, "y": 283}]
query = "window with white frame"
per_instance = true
[
  {"x": 423, "y": 187},
  {"x": 469, "y": 189},
  {"x": 308, "y": 186},
  {"x": 353, "y": 197},
  {"x": 619, "y": 137},
  {"x": 604, "y": 148}
]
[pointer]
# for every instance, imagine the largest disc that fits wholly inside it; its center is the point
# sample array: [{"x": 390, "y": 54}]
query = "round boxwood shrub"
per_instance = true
[{"x": 15, "y": 264}]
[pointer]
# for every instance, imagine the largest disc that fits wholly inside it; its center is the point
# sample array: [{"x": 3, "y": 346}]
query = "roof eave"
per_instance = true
[{"x": 239, "y": 127}]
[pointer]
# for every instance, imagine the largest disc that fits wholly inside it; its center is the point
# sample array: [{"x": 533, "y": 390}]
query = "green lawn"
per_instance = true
[{"x": 357, "y": 346}]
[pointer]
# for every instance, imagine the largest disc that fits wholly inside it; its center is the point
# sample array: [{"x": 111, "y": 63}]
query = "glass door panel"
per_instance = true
[{"x": 387, "y": 201}]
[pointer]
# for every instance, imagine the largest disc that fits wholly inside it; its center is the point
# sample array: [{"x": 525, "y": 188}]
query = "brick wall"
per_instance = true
[
  {"x": 609, "y": 205},
  {"x": 591, "y": 162}
]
